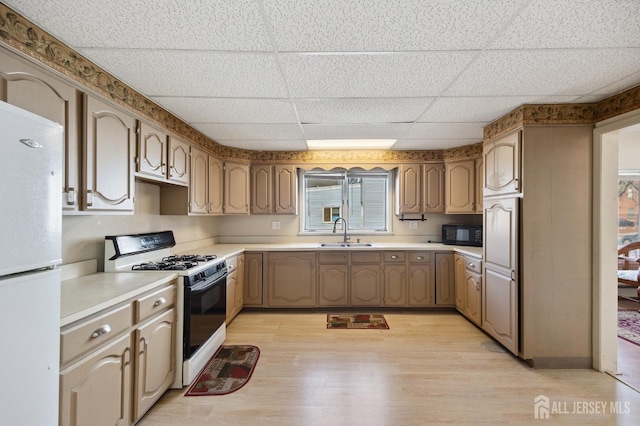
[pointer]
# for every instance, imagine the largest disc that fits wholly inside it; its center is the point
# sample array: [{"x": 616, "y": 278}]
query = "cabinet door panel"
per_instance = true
[
  {"x": 366, "y": 285},
  {"x": 474, "y": 302},
  {"x": 410, "y": 190},
  {"x": 461, "y": 287},
  {"x": 253, "y": 279},
  {"x": 152, "y": 151},
  {"x": 156, "y": 360},
  {"x": 236, "y": 188},
  {"x": 445, "y": 280},
  {"x": 421, "y": 285},
  {"x": 285, "y": 190},
  {"x": 333, "y": 285},
  {"x": 198, "y": 190},
  {"x": 502, "y": 165},
  {"x": 261, "y": 189},
  {"x": 460, "y": 187},
  {"x": 178, "y": 161},
  {"x": 433, "y": 188},
  {"x": 96, "y": 391},
  {"x": 500, "y": 308},
  {"x": 500, "y": 238},
  {"x": 292, "y": 279},
  {"x": 395, "y": 285},
  {"x": 109, "y": 154},
  {"x": 216, "y": 185}
]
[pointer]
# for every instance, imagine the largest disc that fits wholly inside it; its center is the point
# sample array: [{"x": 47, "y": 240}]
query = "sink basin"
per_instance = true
[{"x": 346, "y": 245}]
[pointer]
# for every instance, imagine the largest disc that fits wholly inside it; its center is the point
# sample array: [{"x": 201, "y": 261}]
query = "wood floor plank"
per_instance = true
[{"x": 428, "y": 368}]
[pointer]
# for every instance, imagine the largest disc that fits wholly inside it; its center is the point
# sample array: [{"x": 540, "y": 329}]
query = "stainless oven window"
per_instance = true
[{"x": 204, "y": 312}]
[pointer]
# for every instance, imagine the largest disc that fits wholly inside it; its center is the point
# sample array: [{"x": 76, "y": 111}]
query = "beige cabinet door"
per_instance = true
[
  {"x": 97, "y": 389},
  {"x": 500, "y": 291},
  {"x": 232, "y": 281},
  {"x": 333, "y": 285},
  {"x": 55, "y": 100},
  {"x": 409, "y": 188},
  {"x": 240, "y": 284},
  {"x": 253, "y": 279},
  {"x": 285, "y": 190},
  {"x": 109, "y": 149},
  {"x": 199, "y": 184},
  {"x": 292, "y": 279},
  {"x": 433, "y": 188},
  {"x": 366, "y": 285},
  {"x": 479, "y": 185},
  {"x": 178, "y": 161},
  {"x": 151, "y": 161},
  {"x": 461, "y": 286},
  {"x": 502, "y": 165},
  {"x": 395, "y": 285},
  {"x": 460, "y": 186},
  {"x": 261, "y": 189},
  {"x": 473, "y": 282},
  {"x": 155, "y": 349},
  {"x": 215, "y": 187},
  {"x": 421, "y": 286},
  {"x": 236, "y": 188},
  {"x": 445, "y": 281}
]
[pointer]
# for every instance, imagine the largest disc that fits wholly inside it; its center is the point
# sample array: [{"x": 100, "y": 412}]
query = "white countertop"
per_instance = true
[{"x": 89, "y": 294}]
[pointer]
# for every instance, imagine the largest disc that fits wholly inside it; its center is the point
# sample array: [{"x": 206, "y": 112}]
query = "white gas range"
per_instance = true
[{"x": 201, "y": 296}]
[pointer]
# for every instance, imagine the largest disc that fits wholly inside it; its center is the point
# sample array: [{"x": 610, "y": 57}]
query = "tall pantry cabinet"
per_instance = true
[{"x": 537, "y": 240}]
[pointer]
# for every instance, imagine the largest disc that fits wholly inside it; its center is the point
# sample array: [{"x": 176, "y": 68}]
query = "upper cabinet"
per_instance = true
[
  {"x": 24, "y": 86},
  {"x": 108, "y": 155},
  {"x": 502, "y": 165},
  {"x": 161, "y": 157},
  {"x": 216, "y": 185},
  {"x": 460, "y": 186},
  {"x": 236, "y": 188},
  {"x": 421, "y": 188},
  {"x": 199, "y": 186},
  {"x": 273, "y": 189}
]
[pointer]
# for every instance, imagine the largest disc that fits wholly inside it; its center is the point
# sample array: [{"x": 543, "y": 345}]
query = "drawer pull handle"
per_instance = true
[
  {"x": 394, "y": 256},
  {"x": 159, "y": 302},
  {"x": 472, "y": 265},
  {"x": 419, "y": 257},
  {"x": 101, "y": 331}
]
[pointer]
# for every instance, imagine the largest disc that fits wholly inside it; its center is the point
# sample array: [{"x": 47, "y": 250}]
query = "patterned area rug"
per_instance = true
[
  {"x": 229, "y": 369},
  {"x": 629, "y": 326},
  {"x": 369, "y": 321}
]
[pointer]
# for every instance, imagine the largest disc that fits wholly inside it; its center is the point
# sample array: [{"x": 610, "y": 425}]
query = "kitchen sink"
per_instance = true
[{"x": 346, "y": 245}]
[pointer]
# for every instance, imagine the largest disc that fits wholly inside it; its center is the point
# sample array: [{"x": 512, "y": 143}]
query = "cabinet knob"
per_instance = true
[
  {"x": 471, "y": 265},
  {"x": 394, "y": 256},
  {"x": 101, "y": 331},
  {"x": 419, "y": 257},
  {"x": 160, "y": 301}
]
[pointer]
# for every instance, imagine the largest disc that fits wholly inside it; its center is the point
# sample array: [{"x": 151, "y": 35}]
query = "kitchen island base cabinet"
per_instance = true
[{"x": 291, "y": 279}]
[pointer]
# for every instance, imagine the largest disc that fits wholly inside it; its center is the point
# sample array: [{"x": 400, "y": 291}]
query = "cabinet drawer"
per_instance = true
[
  {"x": 394, "y": 256},
  {"x": 419, "y": 256},
  {"x": 232, "y": 263},
  {"x": 473, "y": 264},
  {"x": 155, "y": 302},
  {"x": 92, "y": 333},
  {"x": 365, "y": 257},
  {"x": 336, "y": 258}
]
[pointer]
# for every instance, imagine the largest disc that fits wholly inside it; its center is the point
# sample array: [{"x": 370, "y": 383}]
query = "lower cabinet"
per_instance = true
[
  {"x": 333, "y": 285},
  {"x": 395, "y": 279},
  {"x": 445, "y": 280},
  {"x": 468, "y": 278},
  {"x": 420, "y": 280},
  {"x": 235, "y": 287},
  {"x": 253, "y": 279},
  {"x": 116, "y": 365},
  {"x": 291, "y": 279},
  {"x": 365, "y": 279}
]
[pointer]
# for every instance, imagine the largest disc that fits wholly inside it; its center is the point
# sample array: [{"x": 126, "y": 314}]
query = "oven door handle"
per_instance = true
[{"x": 205, "y": 285}]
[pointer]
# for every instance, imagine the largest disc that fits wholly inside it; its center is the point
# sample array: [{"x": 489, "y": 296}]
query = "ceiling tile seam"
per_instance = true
[
  {"x": 173, "y": 50},
  {"x": 276, "y": 53},
  {"x": 595, "y": 92}
]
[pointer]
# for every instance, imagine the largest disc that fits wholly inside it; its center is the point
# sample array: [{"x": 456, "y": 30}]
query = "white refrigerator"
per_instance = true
[{"x": 30, "y": 255}]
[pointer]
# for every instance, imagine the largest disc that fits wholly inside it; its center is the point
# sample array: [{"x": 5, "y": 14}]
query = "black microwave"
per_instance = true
[{"x": 462, "y": 235}]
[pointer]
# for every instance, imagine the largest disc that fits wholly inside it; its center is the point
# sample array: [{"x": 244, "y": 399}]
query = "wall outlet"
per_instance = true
[
  {"x": 413, "y": 225},
  {"x": 275, "y": 225}
]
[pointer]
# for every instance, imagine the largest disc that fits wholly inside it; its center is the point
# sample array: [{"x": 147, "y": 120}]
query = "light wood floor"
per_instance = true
[
  {"x": 628, "y": 353},
  {"x": 429, "y": 368}
]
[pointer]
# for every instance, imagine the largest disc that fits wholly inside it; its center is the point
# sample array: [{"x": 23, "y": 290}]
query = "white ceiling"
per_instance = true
[{"x": 269, "y": 74}]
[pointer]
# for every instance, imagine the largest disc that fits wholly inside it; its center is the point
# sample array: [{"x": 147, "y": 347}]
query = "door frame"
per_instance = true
[{"x": 605, "y": 248}]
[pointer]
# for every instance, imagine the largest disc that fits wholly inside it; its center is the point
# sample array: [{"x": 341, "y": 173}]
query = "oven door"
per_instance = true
[{"x": 205, "y": 310}]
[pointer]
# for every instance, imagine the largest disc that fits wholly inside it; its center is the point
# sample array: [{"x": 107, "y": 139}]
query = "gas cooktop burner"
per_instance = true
[
  {"x": 174, "y": 263},
  {"x": 190, "y": 258}
]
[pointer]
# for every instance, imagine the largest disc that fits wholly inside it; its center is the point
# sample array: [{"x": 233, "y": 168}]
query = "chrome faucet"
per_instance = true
[{"x": 344, "y": 225}]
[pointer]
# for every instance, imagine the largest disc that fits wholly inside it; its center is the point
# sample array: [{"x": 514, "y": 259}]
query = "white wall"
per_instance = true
[
  {"x": 629, "y": 149},
  {"x": 83, "y": 235}
]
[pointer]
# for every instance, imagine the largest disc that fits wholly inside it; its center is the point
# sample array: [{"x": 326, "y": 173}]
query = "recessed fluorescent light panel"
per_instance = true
[{"x": 322, "y": 144}]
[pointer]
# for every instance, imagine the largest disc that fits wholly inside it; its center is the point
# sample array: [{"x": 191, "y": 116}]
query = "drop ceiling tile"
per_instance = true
[
  {"x": 354, "y": 131},
  {"x": 188, "y": 73},
  {"x": 267, "y": 145},
  {"x": 230, "y": 110},
  {"x": 361, "y": 110},
  {"x": 386, "y": 25},
  {"x": 545, "y": 72},
  {"x": 372, "y": 75},
  {"x": 446, "y": 131},
  {"x": 619, "y": 86},
  {"x": 427, "y": 144},
  {"x": 461, "y": 109},
  {"x": 546, "y": 24},
  {"x": 250, "y": 131},
  {"x": 157, "y": 24}
]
